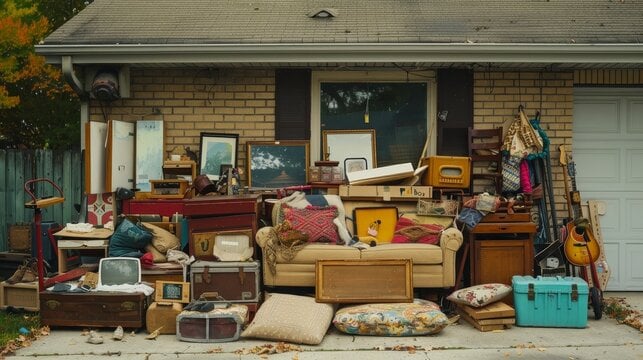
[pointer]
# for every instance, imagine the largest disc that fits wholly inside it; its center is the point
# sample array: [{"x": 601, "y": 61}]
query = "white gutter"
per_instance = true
[{"x": 339, "y": 53}]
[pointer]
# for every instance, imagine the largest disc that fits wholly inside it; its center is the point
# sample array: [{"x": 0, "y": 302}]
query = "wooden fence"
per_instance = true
[{"x": 64, "y": 168}]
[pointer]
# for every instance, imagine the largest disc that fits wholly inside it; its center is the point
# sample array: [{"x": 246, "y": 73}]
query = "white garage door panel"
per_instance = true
[
  {"x": 634, "y": 272},
  {"x": 588, "y": 173},
  {"x": 612, "y": 251},
  {"x": 635, "y": 116},
  {"x": 608, "y": 152},
  {"x": 593, "y": 114},
  {"x": 634, "y": 161},
  {"x": 634, "y": 209}
]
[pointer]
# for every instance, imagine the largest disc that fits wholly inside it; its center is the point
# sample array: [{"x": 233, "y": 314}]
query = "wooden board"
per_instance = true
[
  {"x": 363, "y": 281},
  {"x": 603, "y": 276},
  {"x": 480, "y": 326},
  {"x": 492, "y": 311}
]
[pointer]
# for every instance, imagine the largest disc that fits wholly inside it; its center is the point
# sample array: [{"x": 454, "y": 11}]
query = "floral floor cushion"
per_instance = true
[
  {"x": 480, "y": 295},
  {"x": 398, "y": 319}
]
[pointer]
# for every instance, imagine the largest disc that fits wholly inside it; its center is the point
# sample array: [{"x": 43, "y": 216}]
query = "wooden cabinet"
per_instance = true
[
  {"x": 501, "y": 246},
  {"x": 205, "y": 214}
]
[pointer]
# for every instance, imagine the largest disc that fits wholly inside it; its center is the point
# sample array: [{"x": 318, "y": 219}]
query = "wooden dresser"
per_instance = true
[{"x": 501, "y": 245}]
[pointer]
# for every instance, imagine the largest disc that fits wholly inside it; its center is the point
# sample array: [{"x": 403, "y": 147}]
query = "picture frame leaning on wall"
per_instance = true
[
  {"x": 278, "y": 164},
  {"x": 215, "y": 150}
]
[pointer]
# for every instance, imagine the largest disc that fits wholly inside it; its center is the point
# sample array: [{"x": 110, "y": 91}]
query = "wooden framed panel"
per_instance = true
[
  {"x": 364, "y": 281},
  {"x": 172, "y": 292},
  {"x": 278, "y": 164},
  {"x": 150, "y": 139},
  {"x": 339, "y": 145},
  {"x": 217, "y": 150}
]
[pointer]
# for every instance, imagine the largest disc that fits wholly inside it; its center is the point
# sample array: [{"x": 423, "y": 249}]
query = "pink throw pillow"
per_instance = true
[
  {"x": 409, "y": 231},
  {"x": 315, "y": 221}
]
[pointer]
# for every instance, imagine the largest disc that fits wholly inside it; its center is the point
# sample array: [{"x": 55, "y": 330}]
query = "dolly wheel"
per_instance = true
[{"x": 597, "y": 302}]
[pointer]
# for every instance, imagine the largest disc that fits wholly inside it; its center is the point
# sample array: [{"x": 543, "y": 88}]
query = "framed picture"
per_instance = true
[
  {"x": 375, "y": 223},
  {"x": 172, "y": 291},
  {"x": 354, "y": 164},
  {"x": 216, "y": 150},
  {"x": 339, "y": 145},
  {"x": 278, "y": 164}
]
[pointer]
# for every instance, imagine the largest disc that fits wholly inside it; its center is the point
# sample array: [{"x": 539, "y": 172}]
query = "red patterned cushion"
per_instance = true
[
  {"x": 409, "y": 231},
  {"x": 316, "y": 221}
]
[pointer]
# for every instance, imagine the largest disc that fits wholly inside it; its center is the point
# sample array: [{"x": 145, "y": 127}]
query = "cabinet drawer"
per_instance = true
[
  {"x": 504, "y": 217},
  {"x": 504, "y": 228}
]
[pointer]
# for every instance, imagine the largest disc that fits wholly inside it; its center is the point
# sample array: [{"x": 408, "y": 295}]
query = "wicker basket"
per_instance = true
[{"x": 438, "y": 207}]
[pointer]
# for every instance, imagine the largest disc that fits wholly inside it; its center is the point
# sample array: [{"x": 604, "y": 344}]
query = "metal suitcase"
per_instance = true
[{"x": 236, "y": 282}]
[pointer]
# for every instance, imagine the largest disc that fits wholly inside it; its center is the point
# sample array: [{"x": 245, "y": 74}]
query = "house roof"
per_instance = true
[{"x": 412, "y": 31}]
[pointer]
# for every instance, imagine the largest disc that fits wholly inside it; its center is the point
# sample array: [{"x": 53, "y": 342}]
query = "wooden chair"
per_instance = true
[{"x": 486, "y": 159}]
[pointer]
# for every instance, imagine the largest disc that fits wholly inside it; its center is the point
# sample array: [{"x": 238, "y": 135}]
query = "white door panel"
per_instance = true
[{"x": 608, "y": 155}]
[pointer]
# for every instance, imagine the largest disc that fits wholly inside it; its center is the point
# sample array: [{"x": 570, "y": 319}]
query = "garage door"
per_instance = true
[{"x": 608, "y": 153}]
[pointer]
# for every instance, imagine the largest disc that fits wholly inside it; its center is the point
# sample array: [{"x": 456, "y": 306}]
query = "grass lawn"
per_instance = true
[{"x": 10, "y": 323}]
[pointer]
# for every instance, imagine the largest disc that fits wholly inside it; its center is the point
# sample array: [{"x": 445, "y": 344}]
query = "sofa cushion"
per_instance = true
[
  {"x": 313, "y": 252},
  {"x": 315, "y": 221},
  {"x": 418, "y": 253}
]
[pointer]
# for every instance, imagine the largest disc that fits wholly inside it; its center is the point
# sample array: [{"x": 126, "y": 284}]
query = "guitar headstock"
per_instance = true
[{"x": 563, "y": 155}]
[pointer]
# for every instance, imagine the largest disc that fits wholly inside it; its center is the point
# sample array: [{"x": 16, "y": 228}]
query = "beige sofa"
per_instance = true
[{"x": 434, "y": 266}]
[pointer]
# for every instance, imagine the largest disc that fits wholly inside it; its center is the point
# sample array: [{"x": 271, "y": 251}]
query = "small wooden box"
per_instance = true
[
  {"x": 162, "y": 315},
  {"x": 20, "y": 295},
  {"x": 363, "y": 281},
  {"x": 168, "y": 189}
]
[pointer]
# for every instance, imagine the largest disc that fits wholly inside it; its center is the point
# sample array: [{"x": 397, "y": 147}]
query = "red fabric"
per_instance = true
[
  {"x": 147, "y": 260},
  {"x": 430, "y": 233},
  {"x": 315, "y": 221},
  {"x": 525, "y": 183}
]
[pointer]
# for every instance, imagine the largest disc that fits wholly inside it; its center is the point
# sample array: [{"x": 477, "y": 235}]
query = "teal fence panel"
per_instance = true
[{"x": 64, "y": 168}]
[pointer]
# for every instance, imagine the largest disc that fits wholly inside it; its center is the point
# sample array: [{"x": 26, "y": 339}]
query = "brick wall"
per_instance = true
[{"x": 191, "y": 101}]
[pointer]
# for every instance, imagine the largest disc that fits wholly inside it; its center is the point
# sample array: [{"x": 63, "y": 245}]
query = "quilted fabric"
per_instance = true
[
  {"x": 315, "y": 221},
  {"x": 480, "y": 295},
  {"x": 397, "y": 319}
]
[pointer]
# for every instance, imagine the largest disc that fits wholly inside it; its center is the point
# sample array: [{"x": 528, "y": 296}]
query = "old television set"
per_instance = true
[{"x": 119, "y": 271}]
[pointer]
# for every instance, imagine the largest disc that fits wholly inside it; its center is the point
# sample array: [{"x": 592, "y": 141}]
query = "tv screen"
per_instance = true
[{"x": 119, "y": 271}]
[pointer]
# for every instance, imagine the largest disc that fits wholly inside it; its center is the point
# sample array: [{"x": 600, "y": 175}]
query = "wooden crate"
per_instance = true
[
  {"x": 363, "y": 281},
  {"x": 20, "y": 295}
]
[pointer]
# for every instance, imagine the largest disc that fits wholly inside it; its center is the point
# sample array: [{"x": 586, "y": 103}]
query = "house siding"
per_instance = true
[{"x": 242, "y": 101}]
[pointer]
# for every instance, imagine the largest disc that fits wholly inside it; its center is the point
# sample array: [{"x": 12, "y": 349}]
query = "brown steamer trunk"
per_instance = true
[
  {"x": 95, "y": 309},
  {"x": 236, "y": 282}
]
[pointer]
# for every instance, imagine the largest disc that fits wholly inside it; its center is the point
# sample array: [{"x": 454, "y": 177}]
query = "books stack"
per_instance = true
[{"x": 495, "y": 316}]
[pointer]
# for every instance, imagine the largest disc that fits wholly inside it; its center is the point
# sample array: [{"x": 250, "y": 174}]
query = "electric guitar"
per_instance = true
[{"x": 581, "y": 248}]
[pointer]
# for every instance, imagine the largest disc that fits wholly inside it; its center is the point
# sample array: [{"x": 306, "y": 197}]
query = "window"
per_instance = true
[{"x": 396, "y": 107}]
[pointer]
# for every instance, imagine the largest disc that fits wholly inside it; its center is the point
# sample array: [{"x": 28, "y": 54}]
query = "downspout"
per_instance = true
[{"x": 77, "y": 85}]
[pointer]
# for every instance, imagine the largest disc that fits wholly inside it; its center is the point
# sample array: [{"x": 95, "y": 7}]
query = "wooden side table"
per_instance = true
[{"x": 501, "y": 245}]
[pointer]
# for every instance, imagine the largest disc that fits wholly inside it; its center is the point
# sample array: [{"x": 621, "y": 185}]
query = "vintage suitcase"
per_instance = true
[
  {"x": 550, "y": 301},
  {"x": 233, "y": 281},
  {"x": 222, "y": 324},
  {"x": 162, "y": 315},
  {"x": 93, "y": 309}
]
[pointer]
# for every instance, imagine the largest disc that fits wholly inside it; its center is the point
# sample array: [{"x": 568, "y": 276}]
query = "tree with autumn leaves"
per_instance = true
[{"x": 37, "y": 108}]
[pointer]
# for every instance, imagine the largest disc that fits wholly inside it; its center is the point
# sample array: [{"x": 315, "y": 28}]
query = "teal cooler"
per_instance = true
[{"x": 550, "y": 301}]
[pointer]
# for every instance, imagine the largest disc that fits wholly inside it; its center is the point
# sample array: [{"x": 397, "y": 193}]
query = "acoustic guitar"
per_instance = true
[{"x": 581, "y": 248}]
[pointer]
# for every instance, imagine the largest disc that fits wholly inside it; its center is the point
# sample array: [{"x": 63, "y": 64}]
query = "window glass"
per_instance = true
[{"x": 397, "y": 112}]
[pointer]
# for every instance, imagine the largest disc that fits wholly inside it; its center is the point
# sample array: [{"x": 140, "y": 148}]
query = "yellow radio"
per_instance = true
[{"x": 447, "y": 171}]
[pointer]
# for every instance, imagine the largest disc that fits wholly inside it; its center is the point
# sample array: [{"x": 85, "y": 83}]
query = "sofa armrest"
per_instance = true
[
  {"x": 264, "y": 236},
  {"x": 451, "y": 239}
]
